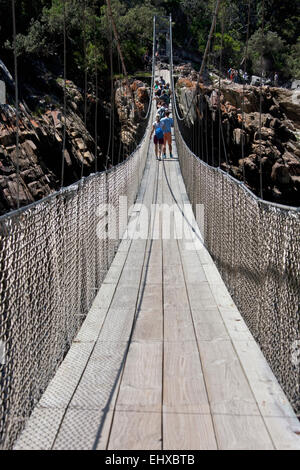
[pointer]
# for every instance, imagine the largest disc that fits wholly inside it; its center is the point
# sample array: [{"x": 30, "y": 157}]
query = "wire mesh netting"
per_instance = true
[
  {"x": 256, "y": 247},
  {"x": 54, "y": 256}
]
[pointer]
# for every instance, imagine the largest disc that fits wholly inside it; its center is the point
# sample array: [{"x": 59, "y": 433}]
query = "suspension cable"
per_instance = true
[
  {"x": 120, "y": 51},
  {"x": 65, "y": 93},
  {"x": 215, "y": 14},
  {"x": 96, "y": 90},
  {"x": 153, "y": 70},
  {"x": 17, "y": 106},
  {"x": 219, "y": 88},
  {"x": 260, "y": 101},
  {"x": 111, "y": 91},
  {"x": 85, "y": 75},
  {"x": 243, "y": 95}
]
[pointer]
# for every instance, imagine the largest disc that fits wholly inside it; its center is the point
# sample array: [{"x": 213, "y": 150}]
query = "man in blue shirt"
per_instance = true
[{"x": 166, "y": 125}]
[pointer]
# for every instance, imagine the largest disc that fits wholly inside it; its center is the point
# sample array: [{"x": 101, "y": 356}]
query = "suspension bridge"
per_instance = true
[{"x": 121, "y": 337}]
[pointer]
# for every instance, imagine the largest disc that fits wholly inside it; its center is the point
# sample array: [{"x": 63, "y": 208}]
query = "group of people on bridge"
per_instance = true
[{"x": 163, "y": 122}]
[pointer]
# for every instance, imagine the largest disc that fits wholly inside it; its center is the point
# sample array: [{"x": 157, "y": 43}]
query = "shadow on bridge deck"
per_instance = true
[{"x": 164, "y": 359}]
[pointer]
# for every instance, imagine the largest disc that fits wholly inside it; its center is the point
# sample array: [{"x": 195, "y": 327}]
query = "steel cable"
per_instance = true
[
  {"x": 17, "y": 105},
  {"x": 260, "y": 100},
  {"x": 65, "y": 94}
]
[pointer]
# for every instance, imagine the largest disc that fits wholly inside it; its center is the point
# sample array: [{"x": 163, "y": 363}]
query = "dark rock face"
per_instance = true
[
  {"x": 41, "y": 134},
  {"x": 131, "y": 117},
  {"x": 275, "y": 148}
]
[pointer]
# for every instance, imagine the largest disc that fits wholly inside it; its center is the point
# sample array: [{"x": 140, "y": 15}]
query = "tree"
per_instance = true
[
  {"x": 267, "y": 49},
  {"x": 293, "y": 60}
]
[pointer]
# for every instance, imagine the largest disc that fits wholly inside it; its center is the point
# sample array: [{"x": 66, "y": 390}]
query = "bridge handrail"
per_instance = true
[
  {"x": 54, "y": 255},
  {"x": 243, "y": 185}
]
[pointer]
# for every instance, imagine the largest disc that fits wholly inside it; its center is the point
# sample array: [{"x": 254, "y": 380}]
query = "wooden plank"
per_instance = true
[
  {"x": 227, "y": 386},
  {"x": 150, "y": 297},
  {"x": 235, "y": 324},
  {"x": 152, "y": 274},
  {"x": 149, "y": 326},
  {"x": 135, "y": 431},
  {"x": 190, "y": 258},
  {"x": 211, "y": 331},
  {"x": 125, "y": 297},
  {"x": 204, "y": 256},
  {"x": 173, "y": 276},
  {"x": 141, "y": 386},
  {"x": 113, "y": 275},
  {"x": 119, "y": 259},
  {"x": 184, "y": 388},
  {"x": 200, "y": 296},
  {"x": 269, "y": 395},
  {"x": 84, "y": 430},
  {"x": 98, "y": 386},
  {"x": 40, "y": 430},
  {"x": 154, "y": 245},
  {"x": 104, "y": 296},
  {"x": 138, "y": 246},
  {"x": 175, "y": 298},
  {"x": 222, "y": 295},
  {"x": 241, "y": 433},
  {"x": 135, "y": 259},
  {"x": 130, "y": 276},
  {"x": 178, "y": 325},
  {"x": 285, "y": 432},
  {"x": 171, "y": 253},
  {"x": 194, "y": 274},
  {"x": 207, "y": 315},
  {"x": 188, "y": 432},
  {"x": 154, "y": 258}
]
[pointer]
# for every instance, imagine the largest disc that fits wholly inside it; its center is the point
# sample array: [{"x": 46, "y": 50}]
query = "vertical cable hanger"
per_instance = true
[
  {"x": 17, "y": 106},
  {"x": 219, "y": 89},
  {"x": 109, "y": 10},
  {"x": 206, "y": 130},
  {"x": 65, "y": 94},
  {"x": 111, "y": 89},
  {"x": 221, "y": 134},
  {"x": 201, "y": 126},
  {"x": 212, "y": 28},
  {"x": 96, "y": 89},
  {"x": 85, "y": 76},
  {"x": 243, "y": 95},
  {"x": 206, "y": 107},
  {"x": 120, "y": 136},
  {"x": 260, "y": 100}
]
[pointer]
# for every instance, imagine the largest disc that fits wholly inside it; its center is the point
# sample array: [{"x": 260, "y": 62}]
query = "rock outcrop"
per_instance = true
[
  {"x": 275, "y": 145},
  {"x": 41, "y": 132},
  {"x": 131, "y": 117}
]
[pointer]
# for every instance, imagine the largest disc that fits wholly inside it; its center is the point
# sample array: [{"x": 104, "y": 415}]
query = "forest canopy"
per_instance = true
[{"x": 274, "y": 33}]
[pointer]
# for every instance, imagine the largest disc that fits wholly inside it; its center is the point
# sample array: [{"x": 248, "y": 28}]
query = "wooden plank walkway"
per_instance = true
[{"x": 164, "y": 359}]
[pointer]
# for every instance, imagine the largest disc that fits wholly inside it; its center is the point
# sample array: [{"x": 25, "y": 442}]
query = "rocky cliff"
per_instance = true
[
  {"x": 41, "y": 132},
  {"x": 278, "y": 144}
]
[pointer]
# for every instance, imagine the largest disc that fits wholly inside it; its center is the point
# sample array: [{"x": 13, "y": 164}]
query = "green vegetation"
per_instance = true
[{"x": 40, "y": 32}]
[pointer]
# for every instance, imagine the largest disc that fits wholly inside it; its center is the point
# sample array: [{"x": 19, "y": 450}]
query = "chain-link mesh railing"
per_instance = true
[
  {"x": 54, "y": 256},
  {"x": 256, "y": 246}
]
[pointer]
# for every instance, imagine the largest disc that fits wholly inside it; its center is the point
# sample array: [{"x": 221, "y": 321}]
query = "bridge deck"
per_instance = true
[{"x": 164, "y": 360}]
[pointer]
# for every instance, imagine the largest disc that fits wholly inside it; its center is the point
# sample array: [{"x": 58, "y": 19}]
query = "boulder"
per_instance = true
[
  {"x": 239, "y": 135},
  {"x": 280, "y": 174},
  {"x": 290, "y": 103},
  {"x": 293, "y": 163}
]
